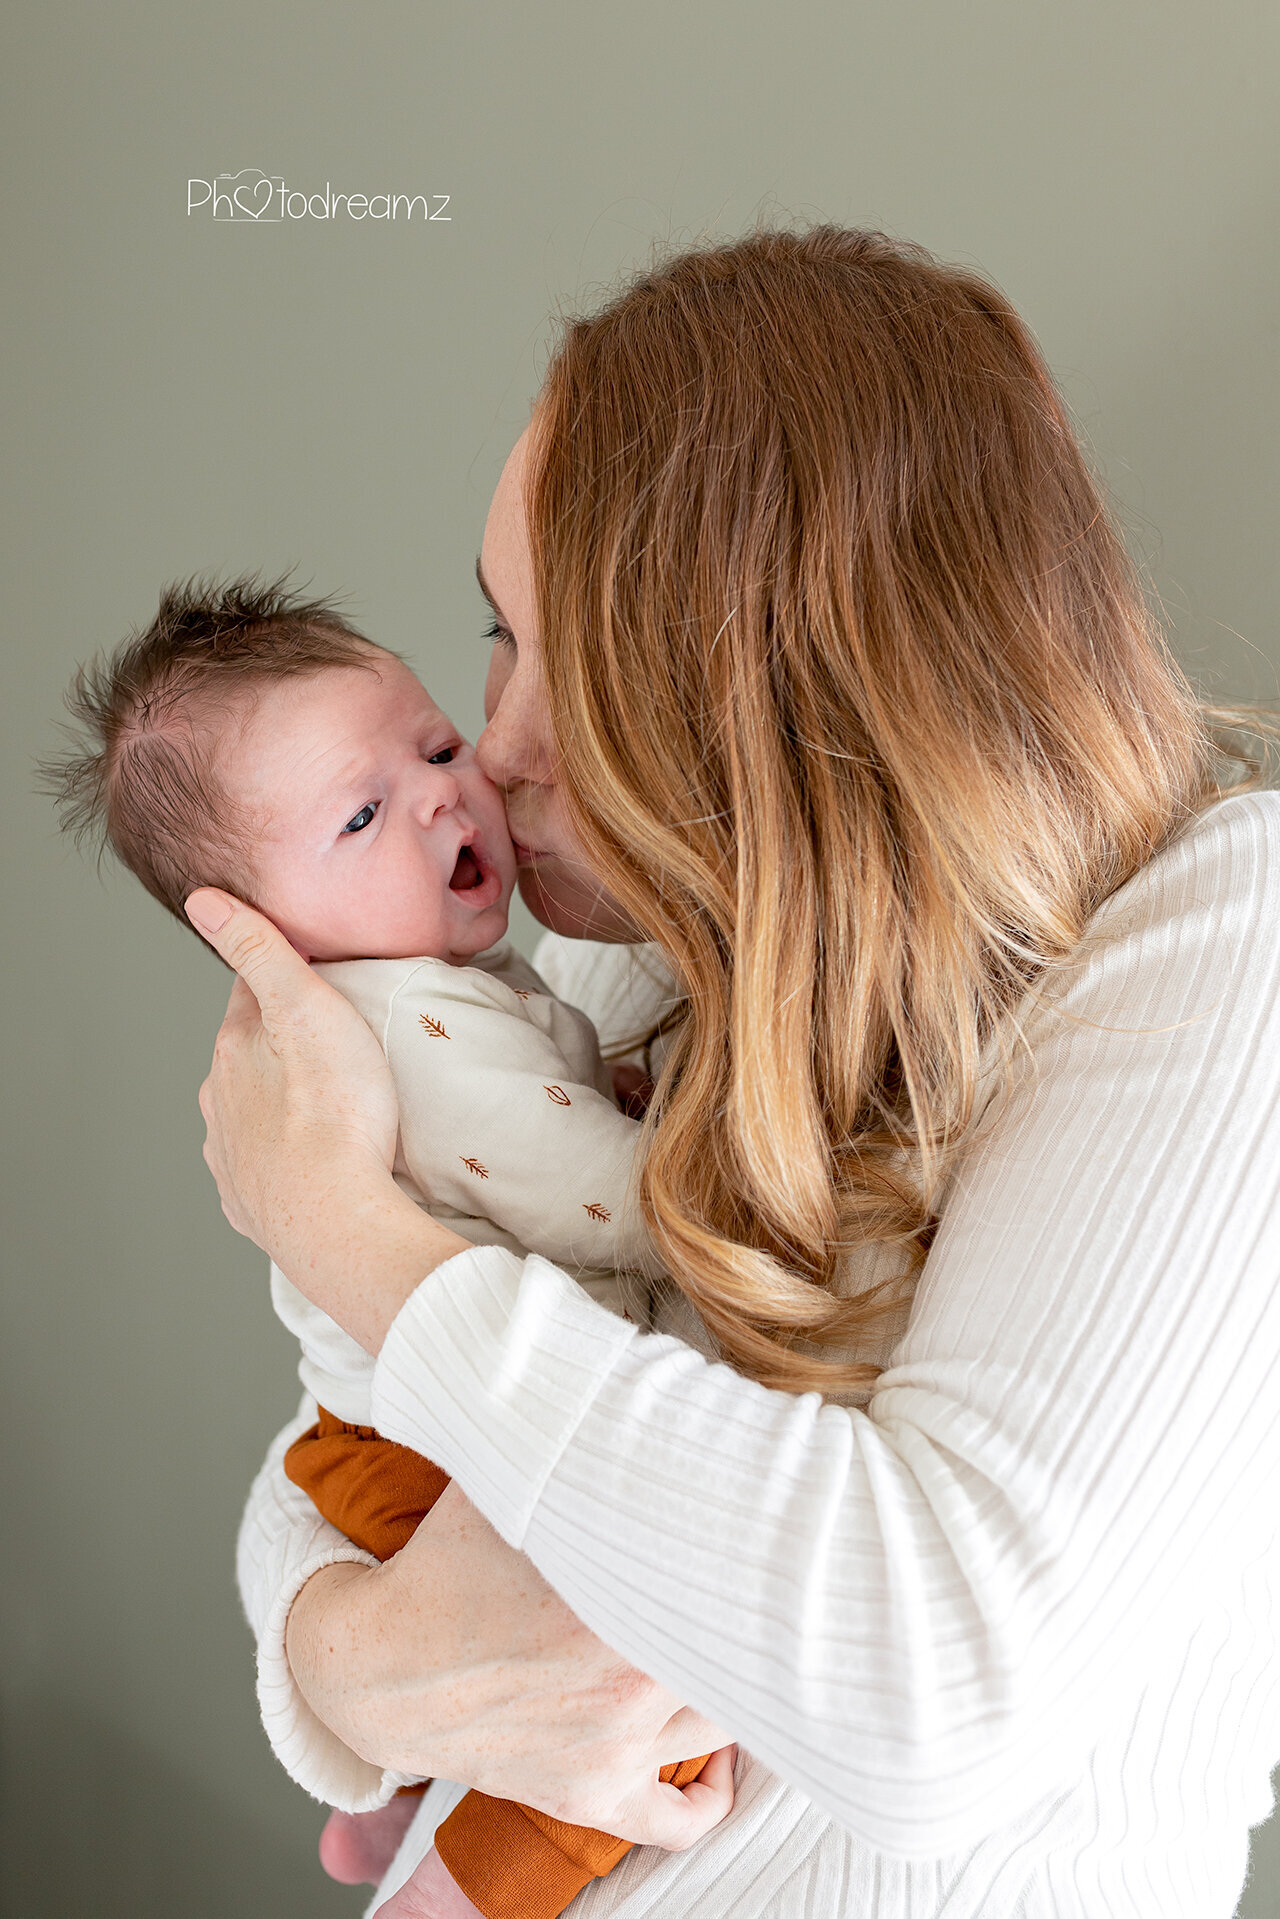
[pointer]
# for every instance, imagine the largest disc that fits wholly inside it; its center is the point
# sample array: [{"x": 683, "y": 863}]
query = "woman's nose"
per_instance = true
[
  {"x": 514, "y": 747},
  {"x": 493, "y": 754},
  {"x": 494, "y": 746}
]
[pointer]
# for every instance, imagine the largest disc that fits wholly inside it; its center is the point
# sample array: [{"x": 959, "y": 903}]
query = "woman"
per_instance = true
[{"x": 819, "y": 663}]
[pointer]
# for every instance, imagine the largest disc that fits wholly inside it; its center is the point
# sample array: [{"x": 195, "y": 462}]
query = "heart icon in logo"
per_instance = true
[{"x": 259, "y": 195}]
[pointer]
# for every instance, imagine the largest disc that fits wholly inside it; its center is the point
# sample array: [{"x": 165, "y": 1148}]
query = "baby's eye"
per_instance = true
[
  {"x": 443, "y": 757},
  {"x": 361, "y": 819}
]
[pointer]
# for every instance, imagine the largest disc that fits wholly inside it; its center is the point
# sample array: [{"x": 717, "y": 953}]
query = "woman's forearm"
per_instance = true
[
  {"x": 456, "y": 1659},
  {"x": 399, "y": 1660},
  {"x": 379, "y": 1248},
  {"x": 283, "y": 1544},
  {"x": 329, "y": 1654}
]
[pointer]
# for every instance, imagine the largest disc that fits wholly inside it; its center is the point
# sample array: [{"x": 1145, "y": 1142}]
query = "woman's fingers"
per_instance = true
[
  {"x": 271, "y": 970},
  {"x": 688, "y": 1731},
  {"x": 676, "y": 1817},
  {"x": 299, "y": 1107},
  {"x": 243, "y": 1009},
  {"x": 709, "y": 1798}
]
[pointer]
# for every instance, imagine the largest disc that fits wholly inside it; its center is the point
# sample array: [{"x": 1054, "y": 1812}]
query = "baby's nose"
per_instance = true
[{"x": 439, "y": 793}]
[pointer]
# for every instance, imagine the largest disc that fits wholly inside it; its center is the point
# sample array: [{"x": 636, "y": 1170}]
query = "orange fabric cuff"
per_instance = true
[{"x": 499, "y": 1855}]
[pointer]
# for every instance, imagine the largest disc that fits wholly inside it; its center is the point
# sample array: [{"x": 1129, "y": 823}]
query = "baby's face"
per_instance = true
[{"x": 380, "y": 837}]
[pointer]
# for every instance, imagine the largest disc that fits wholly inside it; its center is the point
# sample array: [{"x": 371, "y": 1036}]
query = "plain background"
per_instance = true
[{"x": 339, "y": 397}]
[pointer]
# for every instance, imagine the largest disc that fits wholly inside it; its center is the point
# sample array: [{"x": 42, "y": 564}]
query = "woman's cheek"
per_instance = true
[
  {"x": 544, "y": 902},
  {"x": 565, "y": 899}
]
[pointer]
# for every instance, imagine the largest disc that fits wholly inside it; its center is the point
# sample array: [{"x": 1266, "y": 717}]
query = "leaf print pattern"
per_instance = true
[
  {"x": 596, "y": 1211},
  {"x": 432, "y": 1027},
  {"x": 473, "y": 1165},
  {"x": 557, "y": 1095}
]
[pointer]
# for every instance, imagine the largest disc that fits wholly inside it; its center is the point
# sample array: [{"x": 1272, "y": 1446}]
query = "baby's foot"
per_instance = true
[
  {"x": 357, "y": 1847},
  {"x": 429, "y": 1894}
]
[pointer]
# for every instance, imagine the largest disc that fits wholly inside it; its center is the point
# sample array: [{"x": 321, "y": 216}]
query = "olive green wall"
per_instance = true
[{"x": 187, "y": 393}]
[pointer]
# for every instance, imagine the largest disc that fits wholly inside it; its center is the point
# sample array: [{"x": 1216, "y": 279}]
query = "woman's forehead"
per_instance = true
[{"x": 505, "y": 560}]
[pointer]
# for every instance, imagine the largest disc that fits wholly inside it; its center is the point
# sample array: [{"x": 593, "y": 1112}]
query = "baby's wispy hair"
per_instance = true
[{"x": 140, "y": 776}]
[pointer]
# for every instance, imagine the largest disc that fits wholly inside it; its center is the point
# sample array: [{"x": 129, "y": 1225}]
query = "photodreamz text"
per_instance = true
[{"x": 263, "y": 199}]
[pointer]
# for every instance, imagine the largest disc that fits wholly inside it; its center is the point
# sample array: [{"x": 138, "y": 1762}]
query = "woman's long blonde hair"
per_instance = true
[{"x": 861, "y": 714}]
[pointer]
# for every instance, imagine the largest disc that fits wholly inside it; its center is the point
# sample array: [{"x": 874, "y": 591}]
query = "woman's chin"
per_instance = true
[{"x": 564, "y": 901}]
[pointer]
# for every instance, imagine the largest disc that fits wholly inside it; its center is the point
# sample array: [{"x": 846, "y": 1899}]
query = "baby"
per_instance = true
[{"x": 252, "y": 740}]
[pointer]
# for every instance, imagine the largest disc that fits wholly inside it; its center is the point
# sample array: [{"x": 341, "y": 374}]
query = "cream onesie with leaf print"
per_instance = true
[{"x": 509, "y": 1134}]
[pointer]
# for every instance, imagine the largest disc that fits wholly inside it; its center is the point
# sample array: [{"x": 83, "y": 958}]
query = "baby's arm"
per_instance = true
[{"x": 500, "y": 1115}]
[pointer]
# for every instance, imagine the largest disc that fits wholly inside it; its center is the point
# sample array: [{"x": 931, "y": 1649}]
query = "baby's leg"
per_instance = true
[
  {"x": 429, "y": 1893},
  {"x": 356, "y": 1848}
]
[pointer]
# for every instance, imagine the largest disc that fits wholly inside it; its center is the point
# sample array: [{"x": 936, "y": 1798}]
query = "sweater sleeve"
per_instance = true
[
  {"x": 922, "y": 1614},
  {"x": 282, "y": 1541}
]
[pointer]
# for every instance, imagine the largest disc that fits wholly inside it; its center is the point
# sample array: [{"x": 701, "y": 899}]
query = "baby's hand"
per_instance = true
[
  {"x": 632, "y": 1088},
  {"x": 429, "y": 1894}
]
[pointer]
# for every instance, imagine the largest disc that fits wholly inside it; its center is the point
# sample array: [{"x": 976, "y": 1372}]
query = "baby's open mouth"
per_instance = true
[{"x": 468, "y": 873}]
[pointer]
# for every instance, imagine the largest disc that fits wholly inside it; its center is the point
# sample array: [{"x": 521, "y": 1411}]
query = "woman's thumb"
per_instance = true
[{"x": 249, "y": 943}]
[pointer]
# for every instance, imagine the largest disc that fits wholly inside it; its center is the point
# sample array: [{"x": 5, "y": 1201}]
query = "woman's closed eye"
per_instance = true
[
  {"x": 358, "y": 821},
  {"x": 497, "y": 632}
]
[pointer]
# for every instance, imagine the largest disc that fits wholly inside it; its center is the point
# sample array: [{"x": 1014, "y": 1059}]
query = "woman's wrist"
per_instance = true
[{"x": 379, "y": 1249}]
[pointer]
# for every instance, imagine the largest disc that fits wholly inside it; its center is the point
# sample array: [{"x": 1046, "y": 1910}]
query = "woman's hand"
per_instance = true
[
  {"x": 302, "y": 1119},
  {"x": 456, "y": 1660}
]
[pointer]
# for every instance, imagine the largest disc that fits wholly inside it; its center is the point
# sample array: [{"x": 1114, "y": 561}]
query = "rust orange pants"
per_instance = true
[{"x": 512, "y": 1862}]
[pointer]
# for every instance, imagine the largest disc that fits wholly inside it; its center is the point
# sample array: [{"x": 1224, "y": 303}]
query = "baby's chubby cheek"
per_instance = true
[
  {"x": 404, "y": 921},
  {"x": 396, "y": 920}
]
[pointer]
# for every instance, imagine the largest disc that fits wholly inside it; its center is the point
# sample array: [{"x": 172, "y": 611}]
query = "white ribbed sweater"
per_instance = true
[{"x": 1004, "y": 1644}]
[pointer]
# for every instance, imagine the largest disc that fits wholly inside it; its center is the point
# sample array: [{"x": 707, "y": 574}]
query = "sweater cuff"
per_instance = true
[
  {"x": 488, "y": 1368},
  {"x": 313, "y": 1756}
]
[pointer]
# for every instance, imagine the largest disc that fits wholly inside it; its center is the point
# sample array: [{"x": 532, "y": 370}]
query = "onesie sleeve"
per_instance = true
[
  {"x": 282, "y": 1542},
  {"x": 924, "y": 1614},
  {"x": 499, "y": 1116}
]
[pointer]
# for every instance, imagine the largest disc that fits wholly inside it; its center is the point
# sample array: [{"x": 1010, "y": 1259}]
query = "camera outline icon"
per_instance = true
[{"x": 247, "y": 196}]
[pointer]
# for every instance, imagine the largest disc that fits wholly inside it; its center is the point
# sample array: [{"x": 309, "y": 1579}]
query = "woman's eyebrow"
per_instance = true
[{"x": 484, "y": 588}]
